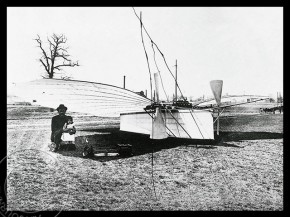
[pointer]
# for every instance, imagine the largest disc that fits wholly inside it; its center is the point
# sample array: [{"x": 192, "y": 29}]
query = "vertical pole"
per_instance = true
[
  {"x": 176, "y": 80},
  {"x": 218, "y": 123},
  {"x": 146, "y": 92},
  {"x": 124, "y": 84}
]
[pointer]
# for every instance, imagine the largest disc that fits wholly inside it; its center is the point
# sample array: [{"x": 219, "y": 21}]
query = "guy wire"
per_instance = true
[
  {"x": 159, "y": 72},
  {"x": 145, "y": 53},
  {"x": 159, "y": 52}
]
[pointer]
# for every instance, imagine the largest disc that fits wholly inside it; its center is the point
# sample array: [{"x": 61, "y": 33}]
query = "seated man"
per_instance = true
[{"x": 57, "y": 127}]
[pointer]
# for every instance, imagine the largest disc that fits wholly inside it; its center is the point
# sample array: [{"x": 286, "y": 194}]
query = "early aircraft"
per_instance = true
[{"x": 138, "y": 114}]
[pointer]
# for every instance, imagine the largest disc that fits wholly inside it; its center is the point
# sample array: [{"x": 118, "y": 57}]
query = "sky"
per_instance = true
[{"x": 243, "y": 46}]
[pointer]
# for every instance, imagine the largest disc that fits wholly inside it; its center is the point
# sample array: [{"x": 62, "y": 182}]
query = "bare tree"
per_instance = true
[{"x": 57, "y": 55}]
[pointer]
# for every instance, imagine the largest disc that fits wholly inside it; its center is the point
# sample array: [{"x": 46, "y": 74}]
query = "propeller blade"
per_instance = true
[{"x": 216, "y": 87}]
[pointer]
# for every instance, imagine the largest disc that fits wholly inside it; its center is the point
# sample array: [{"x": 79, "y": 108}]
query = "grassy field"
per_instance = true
[{"x": 242, "y": 171}]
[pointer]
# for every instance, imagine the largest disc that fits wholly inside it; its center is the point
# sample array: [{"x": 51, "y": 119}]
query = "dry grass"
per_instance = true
[{"x": 235, "y": 174}]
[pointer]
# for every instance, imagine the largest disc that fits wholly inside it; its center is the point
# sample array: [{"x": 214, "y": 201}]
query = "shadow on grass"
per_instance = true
[
  {"x": 106, "y": 141},
  {"x": 238, "y": 136}
]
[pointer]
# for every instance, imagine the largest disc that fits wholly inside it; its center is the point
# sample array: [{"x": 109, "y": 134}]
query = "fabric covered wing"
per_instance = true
[{"x": 82, "y": 96}]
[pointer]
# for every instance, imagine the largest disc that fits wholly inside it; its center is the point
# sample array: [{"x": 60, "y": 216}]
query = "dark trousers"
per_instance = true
[{"x": 56, "y": 136}]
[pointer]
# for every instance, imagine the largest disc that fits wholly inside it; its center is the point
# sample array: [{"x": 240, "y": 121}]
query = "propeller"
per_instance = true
[{"x": 216, "y": 88}]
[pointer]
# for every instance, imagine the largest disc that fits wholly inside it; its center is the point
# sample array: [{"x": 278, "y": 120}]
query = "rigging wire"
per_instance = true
[
  {"x": 165, "y": 125},
  {"x": 152, "y": 43},
  {"x": 178, "y": 123},
  {"x": 152, "y": 165},
  {"x": 142, "y": 25},
  {"x": 159, "y": 72},
  {"x": 145, "y": 53},
  {"x": 196, "y": 124},
  {"x": 200, "y": 122},
  {"x": 152, "y": 162}
]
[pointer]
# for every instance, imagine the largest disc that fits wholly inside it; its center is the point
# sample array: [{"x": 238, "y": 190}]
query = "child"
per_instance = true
[{"x": 67, "y": 138}]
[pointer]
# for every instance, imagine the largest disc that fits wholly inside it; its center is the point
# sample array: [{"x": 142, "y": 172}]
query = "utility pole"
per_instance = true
[{"x": 124, "y": 84}]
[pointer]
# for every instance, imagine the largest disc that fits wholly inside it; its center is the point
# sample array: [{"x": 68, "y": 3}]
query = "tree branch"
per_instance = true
[
  {"x": 44, "y": 65},
  {"x": 57, "y": 51},
  {"x": 44, "y": 53},
  {"x": 64, "y": 56},
  {"x": 68, "y": 64}
]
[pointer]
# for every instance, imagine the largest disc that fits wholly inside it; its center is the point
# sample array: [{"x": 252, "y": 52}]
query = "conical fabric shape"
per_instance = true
[
  {"x": 156, "y": 86},
  {"x": 158, "y": 127},
  {"x": 216, "y": 87}
]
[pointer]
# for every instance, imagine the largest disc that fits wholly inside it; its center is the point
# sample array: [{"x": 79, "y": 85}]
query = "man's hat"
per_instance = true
[{"x": 61, "y": 106}]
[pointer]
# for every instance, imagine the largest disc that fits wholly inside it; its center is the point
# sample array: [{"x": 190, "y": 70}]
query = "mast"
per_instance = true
[
  {"x": 176, "y": 81},
  {"x": 218, "y": 123}
]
